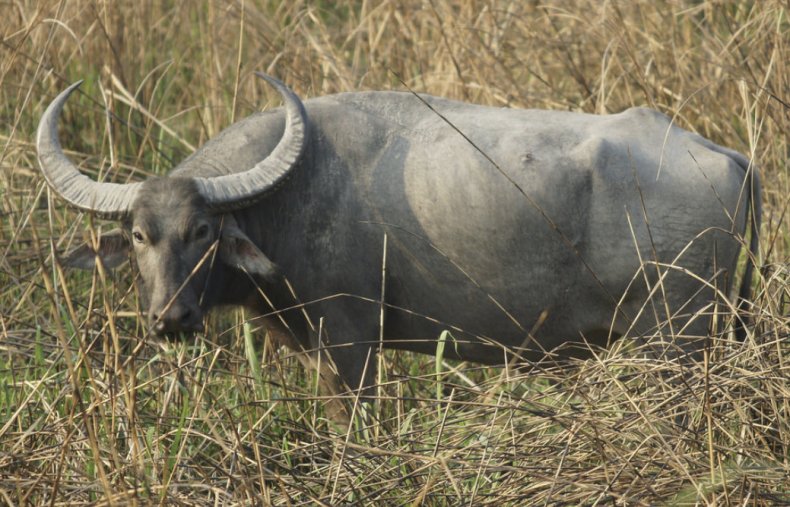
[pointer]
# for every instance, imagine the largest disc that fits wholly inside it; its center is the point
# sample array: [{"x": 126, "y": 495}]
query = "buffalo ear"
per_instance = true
[
  {"x": 238, "y": 251},
  {"x": 113, "y": 251}
]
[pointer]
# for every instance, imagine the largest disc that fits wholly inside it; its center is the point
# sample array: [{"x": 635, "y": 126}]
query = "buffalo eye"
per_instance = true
[
  {"x": 201, "y": 232},
  {"x": 138, "y": 237}
]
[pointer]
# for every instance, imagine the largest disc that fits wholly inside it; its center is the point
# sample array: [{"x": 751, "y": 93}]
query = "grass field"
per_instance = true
[{"x": 92, "y": 415}]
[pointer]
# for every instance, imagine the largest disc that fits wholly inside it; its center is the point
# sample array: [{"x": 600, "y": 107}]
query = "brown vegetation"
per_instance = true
[{"x": 91, "y": 415}]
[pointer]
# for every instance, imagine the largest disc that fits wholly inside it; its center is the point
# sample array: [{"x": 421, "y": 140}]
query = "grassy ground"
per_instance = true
[{"x": 91, "y": 415}]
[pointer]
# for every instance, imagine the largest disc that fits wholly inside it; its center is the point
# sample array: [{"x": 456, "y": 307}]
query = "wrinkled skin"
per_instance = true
[{"x": 553, "y": 240}]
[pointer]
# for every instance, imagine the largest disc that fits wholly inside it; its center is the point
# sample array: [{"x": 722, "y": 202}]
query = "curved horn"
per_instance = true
[
  {"x": 108, "y": 200},
  {"x": 233, "y": 191}
]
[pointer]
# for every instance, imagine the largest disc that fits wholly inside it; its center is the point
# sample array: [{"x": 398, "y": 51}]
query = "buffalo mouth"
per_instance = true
[{"x": 178, "y": 335}]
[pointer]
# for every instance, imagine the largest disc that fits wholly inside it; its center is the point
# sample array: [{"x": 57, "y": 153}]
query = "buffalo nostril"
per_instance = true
[
  {"x": 156, "y": 322},
  {"x": 175, "y": 319},
  {"x": 186, "y": 316},
  {"x": 159, "y": 327}
]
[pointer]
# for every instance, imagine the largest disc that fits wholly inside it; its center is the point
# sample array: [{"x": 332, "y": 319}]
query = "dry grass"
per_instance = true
[{"x": 90, "y": 415}]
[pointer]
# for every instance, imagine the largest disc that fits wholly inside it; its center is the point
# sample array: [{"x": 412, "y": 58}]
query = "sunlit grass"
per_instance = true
[{"x": 92, "y": 411}]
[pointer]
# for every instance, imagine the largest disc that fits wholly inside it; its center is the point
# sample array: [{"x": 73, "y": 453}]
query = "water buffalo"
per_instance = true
[{"x": 522, "y": 232}]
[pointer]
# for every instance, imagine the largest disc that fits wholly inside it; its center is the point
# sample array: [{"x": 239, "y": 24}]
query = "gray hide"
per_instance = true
[{"x": 557, "y": 222}]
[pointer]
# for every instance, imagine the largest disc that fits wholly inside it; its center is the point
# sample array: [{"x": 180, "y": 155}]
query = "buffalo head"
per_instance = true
[{"x": 180, "y": 230}]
